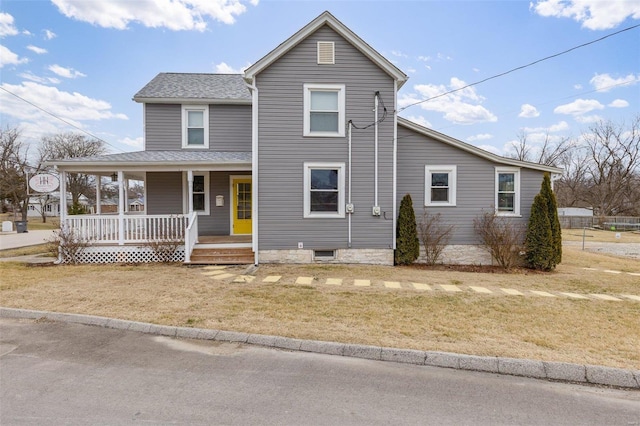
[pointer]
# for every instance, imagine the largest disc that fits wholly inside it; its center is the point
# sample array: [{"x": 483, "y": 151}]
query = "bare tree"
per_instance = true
[
  {"x": 72, "y": 145},
  {"x": 604, "y": 172},
  {"x": 14, "y": 170},
  {"x": 549, "y": 153},
  {"x": 434, "y": 236}
]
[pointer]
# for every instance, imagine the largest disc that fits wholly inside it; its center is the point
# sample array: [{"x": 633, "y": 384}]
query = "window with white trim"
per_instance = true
[
  {"x": 507, "y": 191},
  {"x": 324, "y": 190},
  {"x": 324, "y": 110},
  {"x": 195, "y": 126},
  {"x": 440, "y": 185},
  {"x": 201, "y": 193}
]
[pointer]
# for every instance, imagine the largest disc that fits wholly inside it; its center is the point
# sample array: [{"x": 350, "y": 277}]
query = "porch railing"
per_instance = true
[
  {"x": 103, "y": 229},
  {"x": 190, "y": 236}
]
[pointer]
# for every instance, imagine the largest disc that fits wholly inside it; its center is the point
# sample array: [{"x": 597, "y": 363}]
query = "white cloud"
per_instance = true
[
  {"x": 65, "y": 72},
  {"x": 604, "y": 82},
  {"x": 32, "y": 77},
  {"x": 48, "y": 35},
  {"x": 6, "y": 25},
  {"x": 399, "y": 54},
  {"x": 490, "y": 148},
  {"x": 592, "y": 14},
  {"x": 579, "y": 107},
  {"x": 71, "y": 107},
  {"x": 419, "y": 120},
  {"x": 135, "y": 143},
  {"x": 7, "y": 57},
  {"x": 554, "y": 128},
  {"x": 461, "y": 107},
  {"x": 424, "y": 58},
  {"x": 171, "y": 14},
  {"x": 587, "y": 119},
  {"x": 528, "y": 111},
  {"x": 476, "y": 69},
  {"x": 480, "y": 137},
  {"x": 412, "y": 70},
  {"x": 36, "y": 49},
  {"x": 223, "y": 68},
  {"x": 619, "y": 103},
  {"x": 577, "y": 86}
]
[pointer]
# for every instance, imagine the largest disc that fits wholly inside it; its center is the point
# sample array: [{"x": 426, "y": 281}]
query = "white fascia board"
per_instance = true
[
  {"x": 212, "y": 101},
  {"x": 473, "y": 149},
  {"x": 91, "y": 168},
  {"x": 328, "y": 19}
]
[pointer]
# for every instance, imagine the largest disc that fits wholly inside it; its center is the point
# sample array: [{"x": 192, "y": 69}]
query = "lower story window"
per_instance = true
[
  {"x": 508, "y": 191},
  {"x": 324, "y": 190},
  {"x": 440, "y": 186},
  {"x": 200, "y": 193}
]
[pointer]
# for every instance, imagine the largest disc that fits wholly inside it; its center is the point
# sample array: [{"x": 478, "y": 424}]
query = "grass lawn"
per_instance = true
[
  {"x": 554, "y": 329},
  {"x": 33, "y": 223}
]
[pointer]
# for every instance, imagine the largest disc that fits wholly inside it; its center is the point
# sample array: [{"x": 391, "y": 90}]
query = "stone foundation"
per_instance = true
[
  {"x": 462, "y": 255},
  {"x": 360, "y": 256}
]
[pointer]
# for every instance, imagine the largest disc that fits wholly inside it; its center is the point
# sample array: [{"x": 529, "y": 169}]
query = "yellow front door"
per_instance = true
[{"x": 241, "y": 188}]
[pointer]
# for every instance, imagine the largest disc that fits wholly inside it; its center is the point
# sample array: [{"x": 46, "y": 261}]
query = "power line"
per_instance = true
[
  {"x": 518, "y": 68},
  {"x": 61, "y": 119}
]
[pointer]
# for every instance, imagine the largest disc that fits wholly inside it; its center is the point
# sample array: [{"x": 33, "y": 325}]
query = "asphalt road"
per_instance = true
[{"x": 55, "y": 373}]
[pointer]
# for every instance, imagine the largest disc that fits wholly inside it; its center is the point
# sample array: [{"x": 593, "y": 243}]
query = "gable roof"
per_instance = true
[
  {"x": 328, "y": 19},
  {"x": 186, "y": 87},
  {"x": 440, "y": 137}
]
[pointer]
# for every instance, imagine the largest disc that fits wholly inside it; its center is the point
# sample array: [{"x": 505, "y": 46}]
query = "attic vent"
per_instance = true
[{"x": 326, "y": 53}]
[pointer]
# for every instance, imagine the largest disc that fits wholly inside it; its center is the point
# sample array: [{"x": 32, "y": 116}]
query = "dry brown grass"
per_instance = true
[
  {"x": 556, "y": 329},
  {"x": 34, "y": 223},
  {"x": 591, "y": 235}
]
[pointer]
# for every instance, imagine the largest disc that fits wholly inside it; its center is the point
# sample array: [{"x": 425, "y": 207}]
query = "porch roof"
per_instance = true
[{"x": 157, "y": 161}]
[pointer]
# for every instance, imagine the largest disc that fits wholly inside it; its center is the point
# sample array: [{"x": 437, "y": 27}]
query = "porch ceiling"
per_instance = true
[{"x": 177, "y": 160}]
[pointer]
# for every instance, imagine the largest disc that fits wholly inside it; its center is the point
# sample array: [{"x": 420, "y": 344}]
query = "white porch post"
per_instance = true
[
  {"x": 121, "y": 205},
  {"x": 190, "y": 186},
  {"x": 63, "y": 207},
  {"x": 98, "y": 194},
  {"x": 63, "y": 197},
  {"x": 126, "y": 195}
]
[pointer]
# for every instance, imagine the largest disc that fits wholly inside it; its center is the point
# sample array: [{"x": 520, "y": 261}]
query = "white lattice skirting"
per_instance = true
[{"x": 126, "y": 254}]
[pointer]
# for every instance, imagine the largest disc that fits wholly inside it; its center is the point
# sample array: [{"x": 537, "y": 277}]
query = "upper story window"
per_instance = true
[
  {"x": 508, "y": 191},
  {"x": 324, "y": 110},
  {"x": 440, "y": 186},
  {"x": 195, "y": 126},
  {"x": 324, "y": 190}
]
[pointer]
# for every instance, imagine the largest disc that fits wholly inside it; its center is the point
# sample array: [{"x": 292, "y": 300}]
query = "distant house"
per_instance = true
[
  {"x": 574, "y": 211},
  {"x": 50, "y": 204},
  {"x": 300, "y": 159}
]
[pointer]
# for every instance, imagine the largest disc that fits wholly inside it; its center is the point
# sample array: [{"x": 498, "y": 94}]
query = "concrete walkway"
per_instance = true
[
  {"x": 222, "y": 273},
  {"x": 11, "y": 240}
]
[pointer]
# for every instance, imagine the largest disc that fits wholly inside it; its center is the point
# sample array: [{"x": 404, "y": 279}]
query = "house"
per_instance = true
[
  {"x": 50, "y": 204},
  {"x": 300, "y": 159}
]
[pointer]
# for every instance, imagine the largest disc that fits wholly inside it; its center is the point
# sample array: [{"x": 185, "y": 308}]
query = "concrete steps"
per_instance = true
[{"x": 222, "y": 256}]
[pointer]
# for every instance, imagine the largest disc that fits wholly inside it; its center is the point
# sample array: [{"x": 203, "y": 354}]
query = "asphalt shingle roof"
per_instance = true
[
  {"x": 163, "y": 157},
  {"x": 195, "y": 86}
]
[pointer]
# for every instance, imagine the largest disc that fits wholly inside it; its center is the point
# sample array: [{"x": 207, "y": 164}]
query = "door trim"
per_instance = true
[{"x": 231, "y": 202}]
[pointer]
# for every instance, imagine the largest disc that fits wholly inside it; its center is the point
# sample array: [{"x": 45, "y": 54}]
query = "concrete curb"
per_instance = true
[{"x": 559, "y": 371}]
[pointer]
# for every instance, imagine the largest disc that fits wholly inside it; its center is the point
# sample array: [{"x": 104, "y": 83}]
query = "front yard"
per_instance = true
[{"x": 528, "y": 326}]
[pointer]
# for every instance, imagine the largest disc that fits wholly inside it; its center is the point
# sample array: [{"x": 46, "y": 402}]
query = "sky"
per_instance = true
[{"x": 74, "y": 65}]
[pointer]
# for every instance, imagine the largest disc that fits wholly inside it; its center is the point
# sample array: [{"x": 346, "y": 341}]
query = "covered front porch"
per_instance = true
[{"x": 203, "y": 202}]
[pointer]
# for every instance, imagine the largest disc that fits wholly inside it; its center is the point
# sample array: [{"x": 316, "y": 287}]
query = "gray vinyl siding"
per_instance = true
[
  {"x": 475, "y": 190},
  {"x": 165, "y": 196},
  {"x": 164, "y": 192},
  {"x": 163, "y": 127},
  {"x": 229, "y": 127},
  {"x": 283, "y": 150}
]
